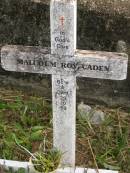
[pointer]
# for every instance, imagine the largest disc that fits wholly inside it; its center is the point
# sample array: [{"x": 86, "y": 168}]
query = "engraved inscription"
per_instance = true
[
  {"x": 61, "y": 41},
  {"x": 38, "y": 63},
  {"x": 91, "y": 67},
  {"x": 63, "y": 65},
  {"x": 104, "y": 65},
  {"x": 62, "y": 93}
]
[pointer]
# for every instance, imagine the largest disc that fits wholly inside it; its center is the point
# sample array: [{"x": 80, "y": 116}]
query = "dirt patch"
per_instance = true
[{"x": 29, "y": 118}]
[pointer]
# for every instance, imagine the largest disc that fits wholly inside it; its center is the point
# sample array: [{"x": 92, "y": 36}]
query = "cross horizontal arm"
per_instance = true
[
  {"x": 94, "y": 64},
  {"x": 103, "y": 65}
]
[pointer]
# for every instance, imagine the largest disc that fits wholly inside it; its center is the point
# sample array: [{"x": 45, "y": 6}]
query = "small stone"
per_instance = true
[
  {"x": 98, "y": 117},
  {"x": 121, "y": 46},
  {"x": 84, "y": 110}
]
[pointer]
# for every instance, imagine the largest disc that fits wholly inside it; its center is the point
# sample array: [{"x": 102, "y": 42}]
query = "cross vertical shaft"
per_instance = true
[
  {"x": 64, "y": 64},
  {"x": 63, "y": 44}
]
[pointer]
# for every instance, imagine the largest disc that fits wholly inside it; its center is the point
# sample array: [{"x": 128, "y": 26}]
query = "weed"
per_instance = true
[
  {"x": 30, "y": 119},
  {"x": 109, "y": 141},
  {"x": 47, "y": 161}
]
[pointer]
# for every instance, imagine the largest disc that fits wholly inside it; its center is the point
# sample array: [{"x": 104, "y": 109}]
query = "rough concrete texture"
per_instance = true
[
  {"x": 105, "y": 6},
  {"x": 101, "y": 26}
]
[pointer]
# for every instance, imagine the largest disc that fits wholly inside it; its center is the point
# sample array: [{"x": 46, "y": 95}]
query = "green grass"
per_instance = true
[
  {"x": 110, "y": 141},
  {"x": 29, "y": 118},
  {"x": 47, "y": 161},
  {"x": 10, "y": 170}
]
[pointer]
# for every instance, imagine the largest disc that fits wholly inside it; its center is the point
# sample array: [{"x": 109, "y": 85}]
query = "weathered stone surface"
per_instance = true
[
  {"x": 84, "y": 110},
  {"x": 101, "y": 6},
  {"x": 92, "y": 64},
  {"x": 100, "y": 27},
  {"x": 121, "y": 46},
  {"x": 97, "y": 117},
  {"x": 63, "y": 27},
  {"x": 63, "y": 44},
  {"x": 93, "y": 116}
]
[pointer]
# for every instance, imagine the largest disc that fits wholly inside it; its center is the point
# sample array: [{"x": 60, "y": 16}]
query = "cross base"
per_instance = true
[{"x": 26, "y": 165}]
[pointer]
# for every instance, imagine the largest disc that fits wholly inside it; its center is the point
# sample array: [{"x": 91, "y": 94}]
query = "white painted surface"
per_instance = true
[
  {"x": 27, "y": 165},
  {"x": 65, "y": 64},
  {"x": 63, "y": 27},
  {"x": 63, "y": 44},
  {"x": 93, "y": 64},
  {"x": 64, "y": 115}
]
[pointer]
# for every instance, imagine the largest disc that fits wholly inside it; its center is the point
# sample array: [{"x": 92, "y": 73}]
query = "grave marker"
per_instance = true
[{"x": 64, "y": 62}]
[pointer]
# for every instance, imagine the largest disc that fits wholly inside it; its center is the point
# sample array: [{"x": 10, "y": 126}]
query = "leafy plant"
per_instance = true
[
  {"x": 43, "y": 160},
  {"x": 47, "y": 161}
]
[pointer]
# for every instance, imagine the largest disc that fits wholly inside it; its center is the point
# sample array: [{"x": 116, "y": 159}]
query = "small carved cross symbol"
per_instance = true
[{"x": 62, "y": 19}]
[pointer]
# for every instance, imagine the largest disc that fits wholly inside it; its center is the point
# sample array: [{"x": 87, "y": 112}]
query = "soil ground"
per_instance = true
[{"x": 29, "y": 119}]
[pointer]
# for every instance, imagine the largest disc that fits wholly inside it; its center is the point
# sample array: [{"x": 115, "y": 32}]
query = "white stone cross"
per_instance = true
[{"x": 64, "y": 62}]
